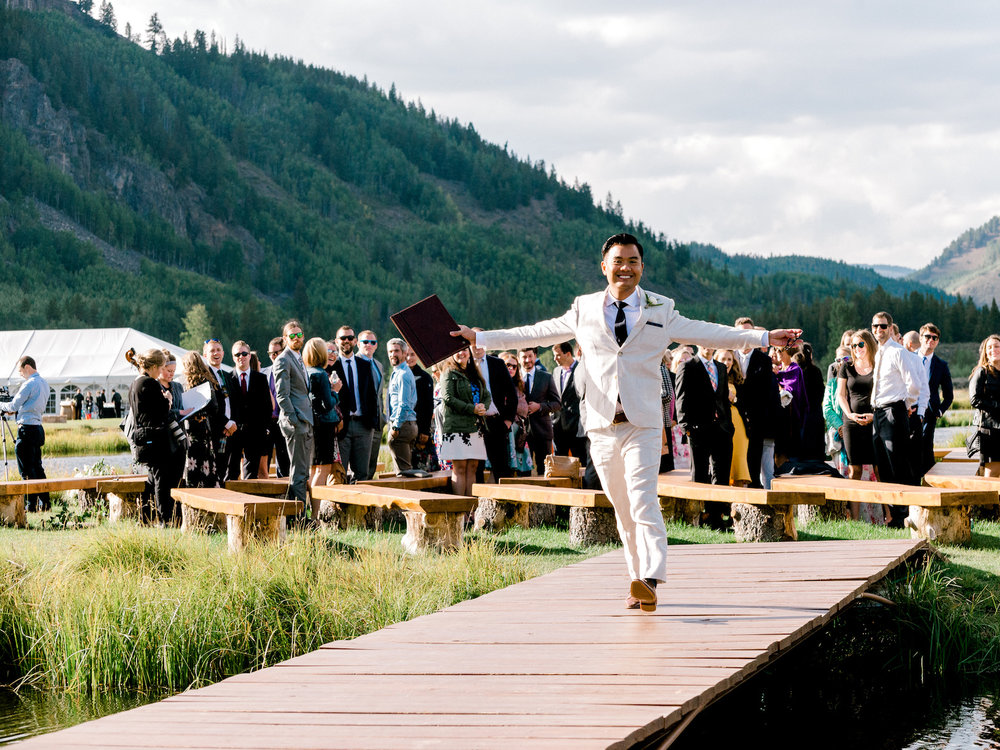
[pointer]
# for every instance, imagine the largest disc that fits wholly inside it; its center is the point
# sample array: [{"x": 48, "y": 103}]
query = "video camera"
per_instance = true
[{"x": 5, "y": 397}]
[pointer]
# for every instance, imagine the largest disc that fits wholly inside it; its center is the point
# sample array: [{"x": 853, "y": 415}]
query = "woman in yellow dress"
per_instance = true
[{"x": 739, "y": 471}]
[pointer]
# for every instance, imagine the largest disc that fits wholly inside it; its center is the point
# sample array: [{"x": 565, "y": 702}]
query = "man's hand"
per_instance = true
[
  {"x": 784, "y": 336},
  {"x": 469, "y": 334},
  {"x": 230, "y": 428},
  {"x": 533, "y": 407}
]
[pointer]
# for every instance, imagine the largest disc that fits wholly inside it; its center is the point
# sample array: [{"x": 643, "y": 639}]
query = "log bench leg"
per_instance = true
[
  {"x": 89, "y": 499},
  {"x": 763, "y": 523},
  {"x": 242, "y": 531},
  {"x": 123, "y": 506},
  {"x": 440, "y": 531},
  {"x": 193, "y": 519},
  {"x": 675, "y": 509},
  {"x": 593, "y": 526},
  {"x": 343, "y": 516},
  {"x": 833, "y": 510},
  {"x": 500, "y": 515},
  {"x": 12, "y": 511},
  {"x": 951, "y": 525}
]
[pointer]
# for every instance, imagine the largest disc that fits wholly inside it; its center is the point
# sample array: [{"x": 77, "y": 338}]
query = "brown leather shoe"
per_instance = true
[
  {"x": 645, "y": 593},
  {"x": 631, "y": 602}
]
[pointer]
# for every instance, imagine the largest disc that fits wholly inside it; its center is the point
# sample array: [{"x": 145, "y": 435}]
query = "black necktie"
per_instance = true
[
  {"x": 350, "y": 385},
  {"x": 621, "y": 332}
]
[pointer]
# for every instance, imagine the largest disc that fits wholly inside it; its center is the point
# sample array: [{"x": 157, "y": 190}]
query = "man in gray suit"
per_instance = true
[{"x": 291, "y": 385}]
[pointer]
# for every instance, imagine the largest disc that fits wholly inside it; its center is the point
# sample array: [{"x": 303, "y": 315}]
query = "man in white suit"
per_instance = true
[{"x": 623, "y": 332}]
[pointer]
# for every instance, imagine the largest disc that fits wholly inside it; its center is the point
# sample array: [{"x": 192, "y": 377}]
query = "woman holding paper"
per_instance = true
[{"x": 200, "y": 469}]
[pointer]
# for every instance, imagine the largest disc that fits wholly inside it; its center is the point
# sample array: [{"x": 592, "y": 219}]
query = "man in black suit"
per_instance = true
[
  {"x": 543, "y": 401},
  {"x": 760, "y": 402},
  {"x": 566, "y": 424},
  {"x": 942, "y": 391},
  {"x": 252, "y": 397},
  {"x": 703, "y": 413},
  {"x": 359, "y": 405},
  {"x": 225, "y": 426},
  {"x": 423, "y": 448},
  {"x": 499, "y": 416}
]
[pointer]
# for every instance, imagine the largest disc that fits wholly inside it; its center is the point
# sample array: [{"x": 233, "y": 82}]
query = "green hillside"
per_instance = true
[
  {"x": 135, "y": 183},
  {"x": 970, "y": 265}
]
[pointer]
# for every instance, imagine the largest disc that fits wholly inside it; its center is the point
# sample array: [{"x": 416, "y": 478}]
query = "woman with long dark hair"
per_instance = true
[
  {"x": 854, "y": 391},
  {"x": 984, "y": 396},
  {"x": 200, "y": 469},
  {"x": 465, "y": 400},
  {"x": 150, "y": 406}
]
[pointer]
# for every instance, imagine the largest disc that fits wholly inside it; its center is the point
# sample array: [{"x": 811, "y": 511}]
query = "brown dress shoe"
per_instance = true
[
  {"x": 631, "y": 602},
  {"x": 645, "y": 593}
]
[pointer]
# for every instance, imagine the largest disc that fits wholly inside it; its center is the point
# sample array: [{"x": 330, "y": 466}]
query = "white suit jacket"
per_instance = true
[{"x": 630, "y": 372}]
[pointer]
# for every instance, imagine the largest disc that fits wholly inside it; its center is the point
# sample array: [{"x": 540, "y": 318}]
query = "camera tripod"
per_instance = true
[{"x": 5, "y": 430}]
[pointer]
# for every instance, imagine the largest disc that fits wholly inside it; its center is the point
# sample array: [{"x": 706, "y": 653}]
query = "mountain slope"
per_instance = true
[{"x": 970, "y": 265}]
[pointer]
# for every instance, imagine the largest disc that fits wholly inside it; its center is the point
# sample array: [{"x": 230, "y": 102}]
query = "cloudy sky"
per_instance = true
[{"x": 866, "y": 131}]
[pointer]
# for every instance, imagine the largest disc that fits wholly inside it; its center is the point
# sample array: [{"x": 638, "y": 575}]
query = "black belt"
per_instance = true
[{"x": 893, "y": 405}]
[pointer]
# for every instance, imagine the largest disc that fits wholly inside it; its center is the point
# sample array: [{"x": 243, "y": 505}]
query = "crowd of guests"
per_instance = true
[
  {"x": 321, "y": 408},
  {"x": 94, "y": 406}
]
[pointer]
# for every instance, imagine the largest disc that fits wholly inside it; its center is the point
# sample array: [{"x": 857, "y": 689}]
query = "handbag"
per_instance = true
[
  {"x": 179, "y": 439},
  {"x": 972, "y": 444},
  {"x": 150, "y": 443}
]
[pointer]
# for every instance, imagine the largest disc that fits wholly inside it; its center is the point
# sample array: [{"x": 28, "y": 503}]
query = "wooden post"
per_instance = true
[
  {"x": 500, "y": 515},
  {"x": 832, "y": 510},
  {"x": 343, "y": 516},
  {"x": 763, "y": 523},
  {"x": 947, "y": 525},
  {"x": 12, "y": 511},
  {"x": 440, "y": 531},
  {"x": 592, "y": 526},
  {"x": 123, "y": 506},
  {"x": 679, "y": 509}
]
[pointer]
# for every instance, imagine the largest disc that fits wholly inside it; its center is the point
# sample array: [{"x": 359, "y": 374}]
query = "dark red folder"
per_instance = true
[{"x": 426, "y": 327}]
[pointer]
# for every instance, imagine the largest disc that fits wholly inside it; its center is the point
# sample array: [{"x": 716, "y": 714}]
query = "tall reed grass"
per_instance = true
[{"x": 142, "y": 609}]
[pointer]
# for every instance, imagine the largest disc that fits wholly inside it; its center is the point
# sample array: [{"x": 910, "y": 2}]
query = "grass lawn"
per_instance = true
[{"x": 81, "y": 437}]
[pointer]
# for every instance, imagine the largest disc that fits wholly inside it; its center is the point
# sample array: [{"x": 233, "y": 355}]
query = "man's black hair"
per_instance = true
[{"x": 621, "y": 239}]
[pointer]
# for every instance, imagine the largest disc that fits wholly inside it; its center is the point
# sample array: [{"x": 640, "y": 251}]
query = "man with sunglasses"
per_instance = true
[
  {"x": 275, "y": 440},
  {"x": 359, "y": 404},
  {"x": 895, "y": 392},
  {"x": 941, "y": 391},
  {"x": 367, "y": 346},
  {"x": 225, "y": 426},
  {"x": 296, "y": 420},
  {"x": 252, "y": 396}
]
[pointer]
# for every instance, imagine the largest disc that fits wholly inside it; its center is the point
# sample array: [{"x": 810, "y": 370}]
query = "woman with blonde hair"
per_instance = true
[
  {"x": 150, "y": 406},
  {"x": 200, "y": 469},
  {"x": 984, "y": 396},
  {"x": 324, "y": 400},
  {"x": 465, "y": 400},
  {"x": 739, "y": 468}
]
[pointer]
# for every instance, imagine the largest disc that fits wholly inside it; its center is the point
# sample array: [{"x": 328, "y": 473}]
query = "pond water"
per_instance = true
[{"x": 28, "y": 713}]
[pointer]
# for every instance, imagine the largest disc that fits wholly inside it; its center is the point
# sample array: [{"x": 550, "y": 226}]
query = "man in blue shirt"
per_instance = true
[
  {"x": 402, "y": 406},
  {"x": 29, "y": 405}
]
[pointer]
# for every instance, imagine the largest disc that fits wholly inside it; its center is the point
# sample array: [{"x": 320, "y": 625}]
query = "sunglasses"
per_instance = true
[
  {"x": 859, "y": 345},
  {"x": 345, "y": 338},
  {"x": 930, "y": 337},
  {"x": 274, "y": 352},
  {"x": 212, "y": 341},
  {"x": 367, "y": 341},
  {"x": 883, "y": 326},
  {"x": 511, "y": 366},
  {"x": 331, "y": 351},
  {"x": 293, "y": 336},
  {"x": 241, "y": 354},
  {"x": 845, "y": 359}
]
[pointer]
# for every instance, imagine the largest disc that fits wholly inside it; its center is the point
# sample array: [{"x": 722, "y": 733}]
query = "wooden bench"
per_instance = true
[
  {"x": 433, "y": 520},
  {"x": 956, "y": 454},
  {"x": 965, "y": 475},
  {"x": 539, "y": 514},
  {"x": 247, "y": 517},
  {"x": 260, "y": 487},
  {"x": 439, "y": 480},
  {"x": 12, "y": 494},
  {"x": 937, "y": 514},
  {"x": 758, "y": 515},
  {"x": 591, "y": 516}
]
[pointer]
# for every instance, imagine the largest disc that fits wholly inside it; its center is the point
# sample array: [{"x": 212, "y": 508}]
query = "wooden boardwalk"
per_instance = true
[{"x": 553, "y": 662}]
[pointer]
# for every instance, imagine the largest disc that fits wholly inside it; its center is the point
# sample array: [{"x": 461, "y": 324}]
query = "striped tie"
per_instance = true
[{"x": 621, "y": 332}]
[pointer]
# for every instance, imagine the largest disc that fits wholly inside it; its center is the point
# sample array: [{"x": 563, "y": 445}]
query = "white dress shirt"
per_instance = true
[
  {"x": 896, "y": 376},
  {"x": 631, "y": 310},
  {"x": 484, "y": 370}
]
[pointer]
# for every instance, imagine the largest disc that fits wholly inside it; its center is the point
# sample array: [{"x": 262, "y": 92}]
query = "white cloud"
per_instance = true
[{"x": 862, "y": 131}]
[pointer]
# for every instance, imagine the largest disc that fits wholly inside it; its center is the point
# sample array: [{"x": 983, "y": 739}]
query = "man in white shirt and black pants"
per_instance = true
[{"x": 895, "y": 392}]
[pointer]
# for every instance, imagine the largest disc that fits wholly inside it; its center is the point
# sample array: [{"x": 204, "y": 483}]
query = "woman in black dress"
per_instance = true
[
  {"x": 150, "y": 406},
  {"x": 984, "y": 395},
  {"x": 200, "y": 469},
  {"x": 854, "y": 392}
]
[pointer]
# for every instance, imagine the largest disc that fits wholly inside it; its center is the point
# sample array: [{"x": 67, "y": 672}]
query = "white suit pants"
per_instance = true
[{"x": 627, "y": 459}]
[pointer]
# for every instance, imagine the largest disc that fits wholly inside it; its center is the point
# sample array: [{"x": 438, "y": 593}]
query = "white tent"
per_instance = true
[{"x": 84, "y": 358}]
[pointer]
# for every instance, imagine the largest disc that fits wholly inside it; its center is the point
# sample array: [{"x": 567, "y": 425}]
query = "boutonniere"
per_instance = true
[{"x": 650, "y": 302}]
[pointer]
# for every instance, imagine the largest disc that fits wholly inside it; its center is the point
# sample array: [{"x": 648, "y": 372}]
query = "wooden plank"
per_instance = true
[
  {"x": 539, "y": 481},
  {"x": 861, "y": 491},
  {"x": 550, "y": 495},
  {"x": 961, "y": 475},
  {"x": 28, "y": 486},
  {"x": 677, "y": 484},
  {"x": 438, "y": 480},
  {"x": 121, "y": 486},
  {"x": 552, "y": 662},
  {"x": 390, "y": 497},
  {"x": 219, "y": 500},
  {"x": 265, "y": 487},
  {"x": 956, "y": 454}
]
